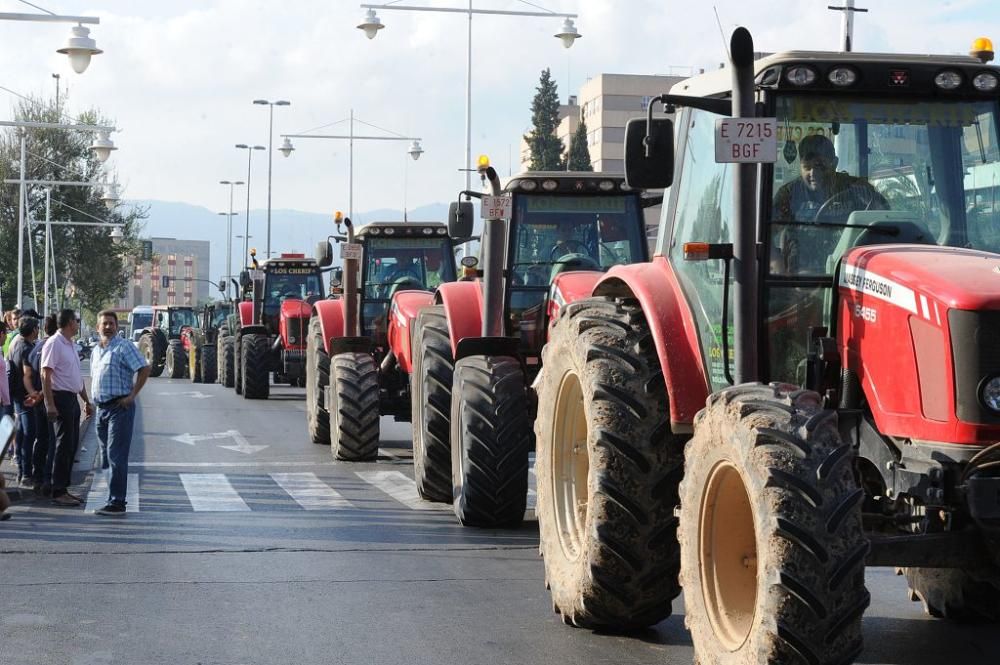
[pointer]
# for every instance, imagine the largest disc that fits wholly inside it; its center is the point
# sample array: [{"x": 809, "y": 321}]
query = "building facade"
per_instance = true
[{"x": 186, "y": 265}]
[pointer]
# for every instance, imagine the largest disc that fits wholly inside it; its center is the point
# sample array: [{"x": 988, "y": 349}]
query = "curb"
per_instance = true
[{"x": 18, "y": 494}]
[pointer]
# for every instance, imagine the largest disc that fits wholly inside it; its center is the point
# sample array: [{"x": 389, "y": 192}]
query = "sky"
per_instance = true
[{"x": 178, "y": 77}]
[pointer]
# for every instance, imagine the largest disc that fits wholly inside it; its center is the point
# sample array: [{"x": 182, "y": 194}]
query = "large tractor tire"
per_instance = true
[
  {"x": 194, "y": 363},
  {"x": 238, "y": 364},
  {"x": 175, "y": 361},
  {"x": 952, "y": 593},
  {"x": 490, "y": 441},
  {"x": 430, "y": 404},
  {"x": 608, "y": 469},
  {"x": 225, "y": 359},
  {"x": 151, "y": 349},
  {"x": 254, "y": 366},
  {"x": 354, "y": 416},
  {"x": 209, "y": 365},
  {"x": 772, "y": 546},
  {"x": 317, "y": 378}
]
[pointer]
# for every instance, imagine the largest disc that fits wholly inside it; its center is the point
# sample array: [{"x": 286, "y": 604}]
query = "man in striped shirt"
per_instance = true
[{"x": 118, "y": 372}]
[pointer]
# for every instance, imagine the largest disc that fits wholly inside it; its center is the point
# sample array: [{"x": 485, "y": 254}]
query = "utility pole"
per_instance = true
[
  {"x": 847, "y": 25},
  {"x": 56, "y": 77}
]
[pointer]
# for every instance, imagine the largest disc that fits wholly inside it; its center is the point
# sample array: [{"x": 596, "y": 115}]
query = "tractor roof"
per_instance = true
[
  {"x": 719, "y": 82},
  {"x": 566, "y": 182},
  {"x": 171, "y": 308},
  {"x": 296, "y": 261},
  {"x": 402, "y": 229}
]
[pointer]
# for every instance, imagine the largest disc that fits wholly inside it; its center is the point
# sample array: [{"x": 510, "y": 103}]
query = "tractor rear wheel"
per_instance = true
[
  {"x": 209, "y": 366},
  {"x": 175, "y": 361},
  {"x": 194, "y": 363},
  {"x": 152, "y": 354},
  {"x": 255, "y": 367},
  {"x": 430, "y": 404},
  {"x": 608, "y": 469},
  {"x": 490, "y": 440},
  {"x": 226, "y": 356},
  {"x": 238, "y": 365},
  {"x": 354, "y": 416},
  {"x": 317, "y": 378},
  {"x": 956, "y": 594},
  {"x": 772, "y": 545}
]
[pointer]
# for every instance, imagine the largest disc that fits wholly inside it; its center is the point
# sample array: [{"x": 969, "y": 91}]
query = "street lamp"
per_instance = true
[
  {"x": 110, "y": 196},
  {"x": 102, "y": 146},
  {"x": 286, "y": 147},
  {"x": 229, "y": 228},
  {"x": 371, "y": 25},
  {"x": 80, "y": 47},
  {"x": 270, "y": 144},
  {"x": 249, "y": 149},
  {"x": 414, "y": 151},
  {"x": 116, "y": 235}
]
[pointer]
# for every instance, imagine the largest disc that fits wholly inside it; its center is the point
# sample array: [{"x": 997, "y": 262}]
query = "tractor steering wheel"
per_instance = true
[
  {"x": 840, "y": 198},
  {"x": 568, "y": 247}
]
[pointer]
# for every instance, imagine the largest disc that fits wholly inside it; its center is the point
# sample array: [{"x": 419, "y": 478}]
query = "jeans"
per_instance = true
[
  {"x": 45, "y": 445},
  {"x": 67, "y": 431},
  {"x": 114, "y": 430},
  {"x": 25, "y": 417}
]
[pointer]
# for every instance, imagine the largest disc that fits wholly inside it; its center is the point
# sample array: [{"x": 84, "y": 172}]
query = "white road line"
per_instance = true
[
  {"x": 399, "y": 487},
  {"x": 225, "y": 464},
  {"x": 98, "y": 494},
  {"x": 310, "y": 492},
  {"x": 211, "y": 492}
]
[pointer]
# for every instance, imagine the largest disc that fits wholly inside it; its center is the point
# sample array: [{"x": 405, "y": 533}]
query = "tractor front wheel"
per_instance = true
[
  {"x": 176, "y": 360},
  {"x": 226, "y": 357},
  {"x": 255, "y": 367},
  {"x": 608, "y": 469},
  {"x": 490, "y": 441},
  {"x": 154, "y": 359},
  {"x": 208, "y": 363},
  {"x": 317, "y": 378},
  {"x": 238, "y": 365},
  {"x": 354, "y": 416},
  {"x": 959, "y": 595},
  {"x": 194, "y": 363},
  {"x": 430, "y": 404},
  {"x": 772, "y": 546}
]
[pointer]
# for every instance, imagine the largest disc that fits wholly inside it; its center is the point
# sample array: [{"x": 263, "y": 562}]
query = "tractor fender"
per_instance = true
[
  {"x": 331, "y": 320},
  {"x": 463, "y": 307},
  {"x": 293, "y": 309},
  {"x": 569, "y": 287},
  {"x": 675, "y": 334},
  {"x": 402, "y": 314},
  {"x": 246, "y": 313}
]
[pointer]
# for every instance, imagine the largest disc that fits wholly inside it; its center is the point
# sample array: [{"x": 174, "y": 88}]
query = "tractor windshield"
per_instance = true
[
  {"x": 219, "y": 315},
  {"x": 289, "y": 282},
  {"x": 180, "y": 318},
  {"x": 400, "y": 264},
  {"x": 856, "y": 172}
]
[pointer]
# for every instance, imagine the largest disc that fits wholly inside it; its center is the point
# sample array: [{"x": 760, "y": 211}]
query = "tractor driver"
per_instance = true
[
  {"x": 820, "y": 195},
  {"x": 566, "y": 243}
]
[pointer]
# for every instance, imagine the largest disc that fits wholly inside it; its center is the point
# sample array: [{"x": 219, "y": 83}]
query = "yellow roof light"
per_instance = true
[
  {"x": 253, "y": 251},
  {"x": 484, "y": 162},
  {"x": 982, "y": 49},
  {"x": 337, "y": 216}
]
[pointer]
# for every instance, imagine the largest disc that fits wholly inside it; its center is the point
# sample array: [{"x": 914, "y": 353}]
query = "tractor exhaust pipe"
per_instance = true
[
  {"x": 745, "y": 264},
  {"x": 388, "y": 363},
  {"x": 350, "y": 287},
  {"x": 493, "y": 246}
]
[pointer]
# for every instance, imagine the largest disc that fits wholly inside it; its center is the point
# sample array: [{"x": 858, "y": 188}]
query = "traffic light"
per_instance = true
[
  {"x": 165, "y": 282},
  {"x": 147, "y": 250}
]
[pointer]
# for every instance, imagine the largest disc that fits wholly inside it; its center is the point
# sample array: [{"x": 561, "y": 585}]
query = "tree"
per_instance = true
[
  {"x": 546, "y": 148},
  {"x": 579, "y": 152},
  {"x": 86, "y": 260}
]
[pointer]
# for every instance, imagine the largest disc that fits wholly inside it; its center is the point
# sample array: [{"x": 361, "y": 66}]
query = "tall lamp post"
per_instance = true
[
  {"x": 372, "y": 24},
  {"x": 414, "y": 151},
  {"x": 229, "y": 230},
  {"x": 270, "y": 143},
  {"x": 249, "y": 149}
]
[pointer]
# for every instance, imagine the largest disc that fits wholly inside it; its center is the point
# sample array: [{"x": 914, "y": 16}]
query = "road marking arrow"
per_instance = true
[
  {"x": 196, "y": 394},
  {"x": 192, "y": 439},
  {"x": 242, "y": 445}
]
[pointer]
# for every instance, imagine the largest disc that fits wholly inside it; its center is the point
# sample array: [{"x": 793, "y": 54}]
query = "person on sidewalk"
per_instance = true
[
  {"x": 43, "y": 426},
  {"x": 62, "y": 382},
  {"x": 31, "y": 457},
  {"x": 6, "y": 407},
  {"x": 118, "y": 372}
]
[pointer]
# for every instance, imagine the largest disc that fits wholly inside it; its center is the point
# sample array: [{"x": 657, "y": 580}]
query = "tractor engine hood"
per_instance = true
[
  {"x": 917, "y": 325},
  {"x": 295, "y": 309}
]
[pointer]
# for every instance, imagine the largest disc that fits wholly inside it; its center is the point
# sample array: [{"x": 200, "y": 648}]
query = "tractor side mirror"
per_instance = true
[
  {"x": 337, "y": 276},
  {"x": 324, "y": 253},
  {"x": 121, "y": 333},
  {"x": 221, "y": 286},
  {"x": 460, "y": 214},
  {"x": 245, "y": 280},
  {"x": 654, "y": 170}
]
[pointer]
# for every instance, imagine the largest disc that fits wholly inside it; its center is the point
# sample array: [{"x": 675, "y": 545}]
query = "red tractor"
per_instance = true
[
  {"x": 358, "y": 360},
  {"x": 807, "y": 368},
  {"x": 272, "y": 325},
  {"x": 547, "y": 239},
  {"x": 162, "y": 343}
]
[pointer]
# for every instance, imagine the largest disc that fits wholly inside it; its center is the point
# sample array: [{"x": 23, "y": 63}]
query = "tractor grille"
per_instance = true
[
  {"x": 976, "y": 355},
  {"x": 297, "y": 332}
]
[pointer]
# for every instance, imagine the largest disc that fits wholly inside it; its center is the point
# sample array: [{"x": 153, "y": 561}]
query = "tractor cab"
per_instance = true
[
  {"x": 290, "y": 277},
  {"x": 396, "y": 257},
  {"x": 564, "y": 222},
  {"x": 171, "y": 321}
]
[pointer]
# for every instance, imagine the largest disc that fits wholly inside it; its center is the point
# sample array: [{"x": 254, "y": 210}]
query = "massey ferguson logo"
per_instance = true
[
  {"x": 867, "y": 283},
  {"x": 861, "y": 282}
]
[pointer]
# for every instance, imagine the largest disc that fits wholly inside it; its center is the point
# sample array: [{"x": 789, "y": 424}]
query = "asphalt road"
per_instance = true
[{"x": 247, "y": 544}]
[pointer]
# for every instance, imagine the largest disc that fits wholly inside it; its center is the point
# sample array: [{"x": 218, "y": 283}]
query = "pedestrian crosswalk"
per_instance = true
[{"x": 162, "y": 491}]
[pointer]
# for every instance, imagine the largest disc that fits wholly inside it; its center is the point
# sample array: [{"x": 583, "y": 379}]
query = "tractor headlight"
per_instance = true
[
  {"x": 989, "y": 393},
  {"x": 948, "y": 80},
  {"x": 985, "y": 82}
]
